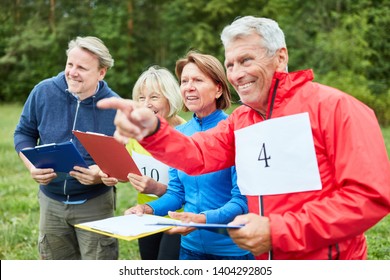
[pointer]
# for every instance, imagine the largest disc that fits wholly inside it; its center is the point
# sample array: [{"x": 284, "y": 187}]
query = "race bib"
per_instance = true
[
  {"x": 151, "y": 167},
  {"x": 277, "y": 156}
]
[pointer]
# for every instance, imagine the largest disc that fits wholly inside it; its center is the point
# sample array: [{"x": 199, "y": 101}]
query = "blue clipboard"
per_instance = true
[
  {"x": 217, "y": 228},
  {"x": 61, "y": 157}
]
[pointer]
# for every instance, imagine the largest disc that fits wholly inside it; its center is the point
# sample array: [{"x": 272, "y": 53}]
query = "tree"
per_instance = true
[{"x": 346, "y": 42}]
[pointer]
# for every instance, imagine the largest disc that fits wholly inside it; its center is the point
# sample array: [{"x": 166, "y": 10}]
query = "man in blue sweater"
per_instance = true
[{"x": 54, "y": 108}]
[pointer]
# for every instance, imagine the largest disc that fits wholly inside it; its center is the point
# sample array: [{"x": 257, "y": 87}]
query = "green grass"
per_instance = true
[{"x": 19, "y": 209}]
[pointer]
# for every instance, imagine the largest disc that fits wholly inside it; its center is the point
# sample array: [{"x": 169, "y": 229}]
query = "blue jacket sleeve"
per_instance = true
[
  {"x": 173, "y": 199},
  {"x": 237, "y": 205}
]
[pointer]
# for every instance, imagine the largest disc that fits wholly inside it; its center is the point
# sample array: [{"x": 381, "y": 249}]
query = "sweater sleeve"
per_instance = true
[{"x": 26, "y": 133}]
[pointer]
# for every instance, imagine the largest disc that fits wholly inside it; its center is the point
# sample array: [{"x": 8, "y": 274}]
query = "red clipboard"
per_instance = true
[{"x": 111, "y": 156}]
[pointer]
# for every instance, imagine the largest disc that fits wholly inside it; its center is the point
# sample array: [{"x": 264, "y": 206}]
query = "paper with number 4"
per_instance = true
[{"x": 277, "y": 156}]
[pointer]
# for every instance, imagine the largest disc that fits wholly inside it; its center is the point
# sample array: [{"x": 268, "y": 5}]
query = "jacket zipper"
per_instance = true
[
  {"x": 77, "y": 112},
  {"x": 261, "y": 203},
  {"x": 71, "y": 139}
]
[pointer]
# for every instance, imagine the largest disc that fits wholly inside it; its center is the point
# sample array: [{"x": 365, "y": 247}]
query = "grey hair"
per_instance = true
[
  {"x": 268, "y": 29},
  {"x": 159, "y": 79},
  {"x": 95, "y": 46}
]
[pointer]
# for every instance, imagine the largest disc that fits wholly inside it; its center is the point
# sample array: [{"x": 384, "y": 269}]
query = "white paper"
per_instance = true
[
  {"x": 151, "y": 167},
  {"x": 129, "y": 225},
  {"x": 277, "y": 156}
]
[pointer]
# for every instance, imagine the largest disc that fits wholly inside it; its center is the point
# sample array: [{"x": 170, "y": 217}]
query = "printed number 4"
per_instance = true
[{"x": 263, "y": 156}]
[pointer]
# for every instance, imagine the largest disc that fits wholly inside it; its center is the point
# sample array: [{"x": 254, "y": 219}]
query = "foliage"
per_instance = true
[{"x": 343, "y": 39}]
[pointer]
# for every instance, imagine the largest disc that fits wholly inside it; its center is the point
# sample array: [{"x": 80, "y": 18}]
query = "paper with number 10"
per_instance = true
[
  {"x": 151, "y": 167},
  {"x": 277, "y": 156}
]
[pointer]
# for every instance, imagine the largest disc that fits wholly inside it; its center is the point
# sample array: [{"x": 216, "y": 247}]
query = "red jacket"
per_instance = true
[{"x": 352, "y": 160}]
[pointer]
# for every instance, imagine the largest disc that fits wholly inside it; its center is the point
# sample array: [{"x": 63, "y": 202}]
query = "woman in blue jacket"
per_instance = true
[{"x": 208, "y": 198}]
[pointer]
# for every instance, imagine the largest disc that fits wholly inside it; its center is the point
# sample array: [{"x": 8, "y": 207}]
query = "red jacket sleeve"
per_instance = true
[{"x": 203, "y": 152}]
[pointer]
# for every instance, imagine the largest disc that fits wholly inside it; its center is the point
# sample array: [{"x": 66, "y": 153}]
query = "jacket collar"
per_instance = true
[
  {"x": 285, "y": 85},
  {"x": 210, "y": 118}
]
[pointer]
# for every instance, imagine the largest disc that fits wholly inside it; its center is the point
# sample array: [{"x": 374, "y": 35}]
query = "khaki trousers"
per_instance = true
[{"x": 60, "y": 240}]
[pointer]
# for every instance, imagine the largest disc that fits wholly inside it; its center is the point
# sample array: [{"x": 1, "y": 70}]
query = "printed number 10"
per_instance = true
[{"x": 153, "y": 173}]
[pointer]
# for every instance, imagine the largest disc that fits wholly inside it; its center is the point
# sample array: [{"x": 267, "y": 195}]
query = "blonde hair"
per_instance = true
[
  {"x": 160, "y": 80},
  {"x": 93, "y": 45}
]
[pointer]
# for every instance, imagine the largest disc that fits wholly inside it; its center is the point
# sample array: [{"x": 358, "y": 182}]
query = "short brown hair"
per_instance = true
[{"x": 213, "y": 68}]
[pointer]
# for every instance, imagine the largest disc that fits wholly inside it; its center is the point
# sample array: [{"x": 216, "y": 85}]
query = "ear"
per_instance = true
[
  {"x": 282, "y": 60},
  {"x": 219, "y": 91},
  {"x": 102, "y": 73}
]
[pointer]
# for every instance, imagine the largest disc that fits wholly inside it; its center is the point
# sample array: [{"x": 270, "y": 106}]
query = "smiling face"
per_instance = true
[
  {"x": 250, "y": 69},
  {"x": 82, "y": 72},
  {"x": 155, "y": 101},
  {"x": 199, "y": 91}
]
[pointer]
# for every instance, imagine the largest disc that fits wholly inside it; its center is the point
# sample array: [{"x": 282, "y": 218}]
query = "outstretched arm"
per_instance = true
[
  {"x": 132, "y": 120},
  {"x": 165, "y": 143}
]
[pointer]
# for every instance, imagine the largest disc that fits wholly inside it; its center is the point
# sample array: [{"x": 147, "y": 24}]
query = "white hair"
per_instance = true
[{"x": 268, "y": 29}]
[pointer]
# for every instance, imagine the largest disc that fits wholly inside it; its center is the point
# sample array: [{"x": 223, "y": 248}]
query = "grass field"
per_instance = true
[{"x": 19, "y": 209}]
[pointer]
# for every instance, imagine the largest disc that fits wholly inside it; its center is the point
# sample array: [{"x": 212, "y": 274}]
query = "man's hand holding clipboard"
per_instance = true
[{"x": 53, "y": 161}]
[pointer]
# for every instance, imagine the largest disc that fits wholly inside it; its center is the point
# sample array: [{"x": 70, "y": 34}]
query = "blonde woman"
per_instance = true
[
  {"x": 159, "y": 91},
  {"x": 207, "y": 198}
]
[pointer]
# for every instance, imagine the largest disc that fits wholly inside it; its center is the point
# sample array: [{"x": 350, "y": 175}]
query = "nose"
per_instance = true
[
  {"x": 187, "y": 85},
  {"x": 73, "y": 71},
  {"x": 235, "y": 73},
  {"x": 147, "y": 103}
]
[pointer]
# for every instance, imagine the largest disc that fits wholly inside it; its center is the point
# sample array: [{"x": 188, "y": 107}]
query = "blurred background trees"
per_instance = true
[{"x": 345, "y": 42}]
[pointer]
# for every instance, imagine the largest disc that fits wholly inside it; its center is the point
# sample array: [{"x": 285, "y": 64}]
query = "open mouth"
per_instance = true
[
  {"x": 244, "y": 86},
  {"x": 191, "y": 98}
]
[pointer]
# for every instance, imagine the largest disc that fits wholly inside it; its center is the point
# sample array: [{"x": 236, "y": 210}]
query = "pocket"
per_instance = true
[
  {"x": 44, "y": 248},
  {"x": 107, "y": 249}
]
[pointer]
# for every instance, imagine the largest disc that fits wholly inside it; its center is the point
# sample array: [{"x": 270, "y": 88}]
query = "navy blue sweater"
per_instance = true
[{"x": 49, "y": 116}]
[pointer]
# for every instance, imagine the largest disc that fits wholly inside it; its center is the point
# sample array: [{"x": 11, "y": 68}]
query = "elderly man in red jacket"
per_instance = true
[{"x": 286, "y": 222}]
